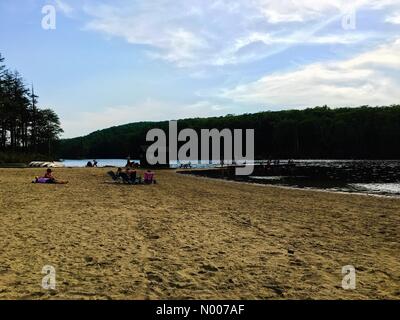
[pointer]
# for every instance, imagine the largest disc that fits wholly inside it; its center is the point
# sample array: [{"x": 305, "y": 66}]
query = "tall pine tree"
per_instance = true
[{"x": 24, "y": 126}]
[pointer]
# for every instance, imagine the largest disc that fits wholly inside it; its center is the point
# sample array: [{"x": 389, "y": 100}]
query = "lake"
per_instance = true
[
  {"x": 101, "y": 162},
  {"x": 122, "y": 162}
]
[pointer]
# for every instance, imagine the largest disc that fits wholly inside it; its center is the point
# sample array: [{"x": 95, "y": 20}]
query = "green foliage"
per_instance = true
[
  {"x": 11, "y": 157},
  {"x": 321, "y": 132},
  {"x": 24, "y": 128}
]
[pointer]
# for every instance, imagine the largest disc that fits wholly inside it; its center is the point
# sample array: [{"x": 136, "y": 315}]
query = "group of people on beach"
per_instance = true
[
  {"x": 130, "y": 176},
  {"x": 131, "y": 164},
  {"x": 277, "y": 162},
  {"x": 91, "y": 164}
]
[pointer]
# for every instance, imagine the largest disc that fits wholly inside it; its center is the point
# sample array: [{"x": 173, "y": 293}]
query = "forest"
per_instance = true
[
  {"x": 26, "y": 131},
  {"x": 315, "y": 133}
]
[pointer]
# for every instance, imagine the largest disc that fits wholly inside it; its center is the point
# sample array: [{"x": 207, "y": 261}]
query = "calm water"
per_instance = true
[
  {"x": 122, "y": 162},
  {"x": 101, "y": 162},
  {"x": 361, "y": 176},
  {"x": 385, "y": 188}
]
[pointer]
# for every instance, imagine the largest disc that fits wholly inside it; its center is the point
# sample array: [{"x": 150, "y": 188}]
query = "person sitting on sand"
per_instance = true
[
  {"x": 131, "y": 174},
  {"x": 89, "y": 164},
  {"x": 129, "y": 163},
  {"x": 95, "y": 163},
  {"x": 149, "y": 177},
  {"x": 49, "y": 175},
  {"x": 51, "y": 179}
]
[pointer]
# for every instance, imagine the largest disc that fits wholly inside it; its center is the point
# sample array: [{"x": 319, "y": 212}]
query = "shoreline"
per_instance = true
[{"x": 296, "y": 188}]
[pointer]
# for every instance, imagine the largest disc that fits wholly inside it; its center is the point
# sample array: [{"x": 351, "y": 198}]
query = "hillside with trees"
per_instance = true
[
  {"x": 315, "y": 133},
  {"x": 26, "y": 131}
]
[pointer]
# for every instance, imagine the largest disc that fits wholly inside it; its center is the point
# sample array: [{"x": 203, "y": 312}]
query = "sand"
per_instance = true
[{"x": 192, "y": 238}]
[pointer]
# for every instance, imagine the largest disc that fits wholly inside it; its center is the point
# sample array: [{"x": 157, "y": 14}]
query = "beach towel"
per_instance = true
[{"x": 42, "y": 180}]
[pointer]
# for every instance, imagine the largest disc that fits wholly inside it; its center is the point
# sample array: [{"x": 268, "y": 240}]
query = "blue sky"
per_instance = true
[{"x": 111, "y": 62}]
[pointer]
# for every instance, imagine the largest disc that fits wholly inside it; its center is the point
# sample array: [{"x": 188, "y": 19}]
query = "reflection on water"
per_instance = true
[
  {"x": 371, "y": 177},
  {"x": 333, "y": 185},
  {"x": 389, "y": 188},
  {"x": 272, "y": 178}
]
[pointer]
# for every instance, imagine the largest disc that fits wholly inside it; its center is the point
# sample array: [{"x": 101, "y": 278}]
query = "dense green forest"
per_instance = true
[
  {"x": 321, "y": 132},
  {"x": 26, "y": 130}
]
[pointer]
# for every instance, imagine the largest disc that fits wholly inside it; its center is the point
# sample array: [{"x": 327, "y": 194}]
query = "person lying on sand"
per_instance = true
[{"x": 49, "y": 178}]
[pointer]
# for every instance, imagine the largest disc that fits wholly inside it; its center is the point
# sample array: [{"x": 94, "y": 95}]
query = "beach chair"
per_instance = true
[
  {"x": 125, "y": 178},
  {"x": 113, "y": 176},
  {"x": 139, "y": 180}
]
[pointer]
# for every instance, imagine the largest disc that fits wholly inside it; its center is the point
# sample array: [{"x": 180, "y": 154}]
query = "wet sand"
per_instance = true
[{"x": 192, "y": 238}]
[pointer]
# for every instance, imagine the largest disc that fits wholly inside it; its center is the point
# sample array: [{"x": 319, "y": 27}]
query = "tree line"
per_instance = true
[
  {"x": 315, "y": 133},
  {"x": 24, "y": 127}
]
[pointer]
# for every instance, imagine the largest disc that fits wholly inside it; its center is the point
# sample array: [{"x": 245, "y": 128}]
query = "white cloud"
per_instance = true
[
  {"x": 394, "y": 19},
  {"x": 64, "y": 7},
  {"x": 205, "y": 35},
  {"x": 148, "y": 110},
  {"x": 217, "y": 32},
  {"x": 298, "y": 10},
  {"x": 284, "y": 11},
  {"x": 371, "y": 78},
  {"x": 156, "y": 25}
]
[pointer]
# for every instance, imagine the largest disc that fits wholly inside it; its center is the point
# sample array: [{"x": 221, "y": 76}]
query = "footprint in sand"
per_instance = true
[
  {"x": 153, "y": 277},
  {"x": 209, "y": 268}
]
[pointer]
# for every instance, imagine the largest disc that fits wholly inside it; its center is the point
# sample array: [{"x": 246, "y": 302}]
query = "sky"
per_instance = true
[{"x": 112, "y": 62}]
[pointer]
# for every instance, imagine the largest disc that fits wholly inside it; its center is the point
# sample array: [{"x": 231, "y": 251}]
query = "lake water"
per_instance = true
[
  {"x": 384, "y": 188},
  {"x": 360, "y": 176},
  {"x": 122, "y": 162},
  {"x": 101, "y": 162}
]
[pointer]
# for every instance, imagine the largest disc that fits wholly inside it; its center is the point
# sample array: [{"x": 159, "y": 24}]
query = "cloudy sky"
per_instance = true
[{"x": 111, "y": 62}]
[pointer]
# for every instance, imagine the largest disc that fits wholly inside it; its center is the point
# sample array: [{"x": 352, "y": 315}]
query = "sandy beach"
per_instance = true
[{"x": 192, "y": 238}]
